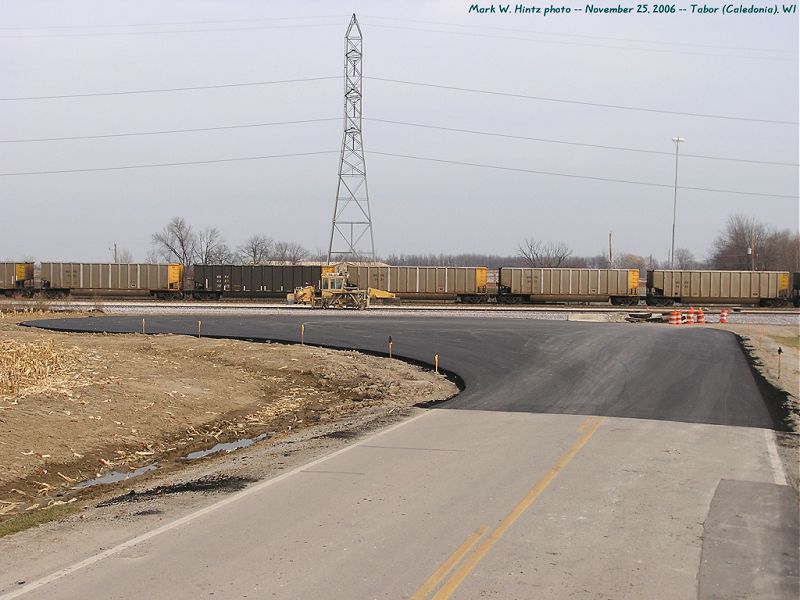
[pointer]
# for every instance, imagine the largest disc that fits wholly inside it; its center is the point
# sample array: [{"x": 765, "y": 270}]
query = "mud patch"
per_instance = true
[
  {"x": 205, "y": 485},
  {"x": 147, "y": 512},
  {"x": 344, "y": 434}
]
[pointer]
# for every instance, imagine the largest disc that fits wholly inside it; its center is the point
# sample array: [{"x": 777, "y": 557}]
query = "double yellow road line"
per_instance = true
[{"x": 587, "y": 427}]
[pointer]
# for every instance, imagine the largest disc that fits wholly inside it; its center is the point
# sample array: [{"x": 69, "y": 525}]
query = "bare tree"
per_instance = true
[
  {"x": 598, "y": 261},
  {"x": 544, "y": 254},
  {"x": 177, "y": 242},
  {"x": 781, "y": 251},
  {"x": 223, "y": 255},
  {"x": 631, "y": 261},
  {"x": 295, "y": 253},
  {"x": 256, "y": 250},
  {"x": 318, "y": 255},
  {"x": 278, "y": 253},
  {"x": 747, "y": 243},
  {"x": 684, "y": 259},
  {"x": 730, "y": 248},
  {"x": 124, "y": 256},
  {"x": 209, "y": 244},
  {"x": 288, "y": 253}
]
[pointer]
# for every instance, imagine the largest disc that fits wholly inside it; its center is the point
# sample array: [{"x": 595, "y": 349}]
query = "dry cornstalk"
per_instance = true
[{"x": 30, "y": 367}]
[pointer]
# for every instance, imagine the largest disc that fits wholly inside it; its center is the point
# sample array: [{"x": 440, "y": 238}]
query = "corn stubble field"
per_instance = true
[
  {"x": 27, "y": 368},
  {"x": 74, "y": 406}
]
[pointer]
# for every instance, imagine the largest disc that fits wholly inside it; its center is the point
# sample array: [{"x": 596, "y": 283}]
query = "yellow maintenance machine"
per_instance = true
[{"x": 337, "y": 292}]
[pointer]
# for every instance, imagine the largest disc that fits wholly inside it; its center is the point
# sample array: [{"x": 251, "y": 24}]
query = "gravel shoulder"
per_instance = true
[
  {"x": 761, "y": 342},
  {"x": 97, "y": 405}
]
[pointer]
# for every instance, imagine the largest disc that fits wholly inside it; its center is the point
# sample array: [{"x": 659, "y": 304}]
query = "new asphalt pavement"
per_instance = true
[{"x": 620, "y": 370}]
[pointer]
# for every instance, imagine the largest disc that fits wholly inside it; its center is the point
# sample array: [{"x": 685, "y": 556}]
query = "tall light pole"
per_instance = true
[{"x": 677, "y": 141}]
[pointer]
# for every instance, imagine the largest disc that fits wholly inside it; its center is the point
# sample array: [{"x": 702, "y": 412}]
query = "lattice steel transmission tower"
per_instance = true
[{"x": 351, "y": 227}]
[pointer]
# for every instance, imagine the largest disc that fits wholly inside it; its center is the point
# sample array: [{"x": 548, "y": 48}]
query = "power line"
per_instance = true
[
  {"x": 425, "y": 22},
  {"x": 585, "y": 36},
  {"x": 584, "y": 145},
  {"x": 405, "y": 82},
  {"x": 172, "y": 164},
  {"x": 579, "y": 102},
  {"x": 165, "y": 90},
  {"x": 168, "y": 32},
  {"x": 168, "y": 23},
  {"x": 573, "y": 176},
  {"x": 391, "y": 122},
  {"x": 167, "y": 131},
  {"x": 399, "y": 27},
  {"x": 584, "y": 44},
  {"x": 394, "y": 155}
]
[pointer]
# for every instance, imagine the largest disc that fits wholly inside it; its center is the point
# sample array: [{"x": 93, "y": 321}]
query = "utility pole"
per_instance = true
[
  {"x": 610, "y": 256},
  {"x": 351, "y": 227},
  {"x": 677, "y": 141}
]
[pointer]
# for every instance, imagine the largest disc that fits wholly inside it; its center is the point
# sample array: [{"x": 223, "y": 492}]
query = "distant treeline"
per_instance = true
[{"x": 744, "y": 244}]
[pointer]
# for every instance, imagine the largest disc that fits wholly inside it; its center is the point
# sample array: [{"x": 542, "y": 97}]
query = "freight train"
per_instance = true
[
  {"x": 57, "y": 280},
  {"x": 161, "y": 281},
  {"x": 765, "y": 288},
  {"x": 513, "y": 285},
  {"x": 252, "y": 281}
]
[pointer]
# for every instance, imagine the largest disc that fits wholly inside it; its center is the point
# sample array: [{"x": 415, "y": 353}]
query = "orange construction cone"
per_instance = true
[
  {"x": 675, "y": 318},
  {"x": 701, "y": 317},
  {"x": 690, "y": 316},
  {"x": 723, "y": 316}
]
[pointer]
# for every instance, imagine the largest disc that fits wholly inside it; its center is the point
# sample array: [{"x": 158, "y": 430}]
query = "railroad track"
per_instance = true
[{"x": 114, "y": 305}]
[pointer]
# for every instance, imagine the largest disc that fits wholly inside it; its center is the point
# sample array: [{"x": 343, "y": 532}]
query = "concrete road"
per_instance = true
[{"x": 508, "y": 491}]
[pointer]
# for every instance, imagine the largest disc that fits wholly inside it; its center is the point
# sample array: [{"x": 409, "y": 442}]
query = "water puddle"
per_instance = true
[
  {"x": 115, "y": 477},
  {"x": 225, "y": 447}
]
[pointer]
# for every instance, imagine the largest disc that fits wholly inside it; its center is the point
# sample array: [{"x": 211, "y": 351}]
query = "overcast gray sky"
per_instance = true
[{"x": 733, "y": 65}]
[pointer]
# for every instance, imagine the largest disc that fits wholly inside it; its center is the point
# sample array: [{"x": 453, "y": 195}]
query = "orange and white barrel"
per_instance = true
[
  {"x": 675, "y": 318},
  {"x": 723, "y": 316},
  {"x": 701, "y": 317}
]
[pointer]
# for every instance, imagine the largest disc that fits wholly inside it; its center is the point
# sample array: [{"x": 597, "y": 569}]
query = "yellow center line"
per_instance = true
[
  {"x": 443, "y": 570},
  {"x": 472, "y": 561}
]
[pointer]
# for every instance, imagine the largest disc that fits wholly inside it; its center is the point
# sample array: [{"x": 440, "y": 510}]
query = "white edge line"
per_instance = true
[
  {"x": 33, "y": 585},
  {"x": 775, "y": 463}
]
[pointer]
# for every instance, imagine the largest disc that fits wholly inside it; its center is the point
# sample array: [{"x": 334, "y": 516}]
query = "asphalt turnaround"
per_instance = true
[{"x": 691, "y": 375}]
